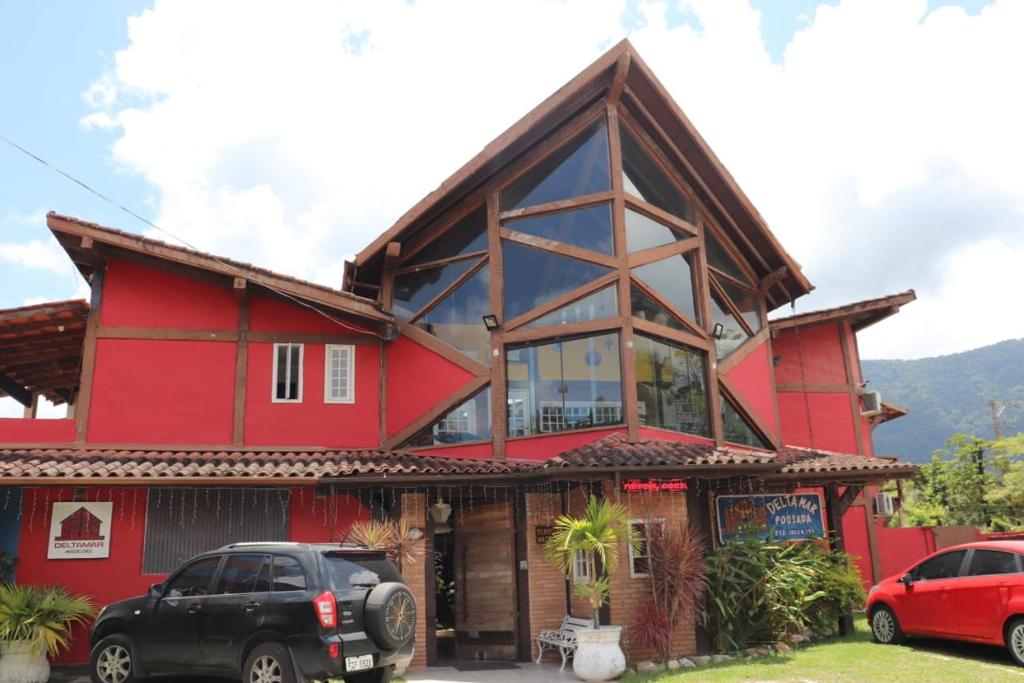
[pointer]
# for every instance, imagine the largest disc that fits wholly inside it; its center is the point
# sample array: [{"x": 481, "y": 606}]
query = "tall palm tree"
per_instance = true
[{"x": 596, "y": 536}]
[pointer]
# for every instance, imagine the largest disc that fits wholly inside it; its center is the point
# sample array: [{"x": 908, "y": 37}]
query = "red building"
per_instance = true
[{"x": 582, "y": 303}]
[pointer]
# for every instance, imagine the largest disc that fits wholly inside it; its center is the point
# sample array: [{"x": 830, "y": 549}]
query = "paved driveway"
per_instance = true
[{"x": 496, "y": 673}]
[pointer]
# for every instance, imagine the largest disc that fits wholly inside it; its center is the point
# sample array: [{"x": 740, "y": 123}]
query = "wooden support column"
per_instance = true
[
  {"x": 834, "y": 517},
  {"x": 703, "y": 294},
  {"x": 499, "y": 389},
  {"x": 698, "y": 515},
  {"x": 387, "y": 278},
  {"x": 89, "y": 356},
  {"x": 524, "y": 641},
  {"x": 241, "y": 362}
]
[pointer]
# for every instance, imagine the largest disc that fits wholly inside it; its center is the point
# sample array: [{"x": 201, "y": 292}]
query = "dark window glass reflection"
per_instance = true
[
  {"x": 589, "y": 228},
  {"x": 646, "y": 308},
  {"x": 534, "y": 277},
  {"x": 576, "y": 169},
  {"x": 465, "y": 237},
  {"x": 670, "y": 385},
  {"x": 643, "y": 178},
  {"x": 733, "y": 335},
  {"x": 471, "y": 421},
  {"x": 564, "y": 385},
  {"x": 601, "y": 304},
  {"x": 719, "y": 258},
  {"x": 413, "y": 291},
  {"x": 646, "y": 233},
  {"x": 671, "y": 278},
  {"x": 458, "y": 318},
  {"x": 745, "y": 302},
  {"x": 737, "y": 429}
]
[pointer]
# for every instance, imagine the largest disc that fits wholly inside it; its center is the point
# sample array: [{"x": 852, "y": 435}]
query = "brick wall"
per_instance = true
[
  {"x": 418, "y": 572},
  {"x": 546, "y": 582}
]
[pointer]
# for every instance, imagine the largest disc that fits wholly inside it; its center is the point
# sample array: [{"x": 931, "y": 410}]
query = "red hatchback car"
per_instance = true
[{"x": 972, "y": 592}]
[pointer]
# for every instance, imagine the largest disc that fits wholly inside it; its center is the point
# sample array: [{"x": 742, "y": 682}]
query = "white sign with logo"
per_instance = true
[{"x": 79, "y": 531}]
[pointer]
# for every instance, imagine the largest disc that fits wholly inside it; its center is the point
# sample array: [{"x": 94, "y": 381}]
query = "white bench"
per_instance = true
[{"x": 563, "y": 639}]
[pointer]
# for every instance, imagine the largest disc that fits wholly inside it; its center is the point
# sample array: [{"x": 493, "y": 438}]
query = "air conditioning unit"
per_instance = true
[
  {"x": 872, "y": 401},
  {"x": 884, "y": 505}
]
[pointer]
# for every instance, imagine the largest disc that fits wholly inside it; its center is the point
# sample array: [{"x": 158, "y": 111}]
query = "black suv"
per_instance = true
[{"x": 263, "y": 612}]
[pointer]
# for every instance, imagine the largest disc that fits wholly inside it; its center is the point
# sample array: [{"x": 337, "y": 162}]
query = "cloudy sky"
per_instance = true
[{"x": 880, "y": 138}]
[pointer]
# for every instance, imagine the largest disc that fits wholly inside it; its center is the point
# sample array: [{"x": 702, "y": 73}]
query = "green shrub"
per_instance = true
[
  {"x": 41, "y": 615},
  {"x": 764, "y": 591}
]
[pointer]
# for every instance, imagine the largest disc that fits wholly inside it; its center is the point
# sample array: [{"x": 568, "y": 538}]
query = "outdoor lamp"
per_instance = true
[
  {"x": 440, "y": 511},
  {"x": 491, "y": 322},
  {"x": 717, "y": 331}
]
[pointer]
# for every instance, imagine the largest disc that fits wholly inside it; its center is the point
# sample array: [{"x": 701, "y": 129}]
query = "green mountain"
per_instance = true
[{"x": 946, "y": 395}]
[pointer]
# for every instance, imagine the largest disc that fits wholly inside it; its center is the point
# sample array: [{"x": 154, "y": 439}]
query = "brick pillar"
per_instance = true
[
  {"x": 418, "y": 572},
  {"x": 546, "y": 582}
]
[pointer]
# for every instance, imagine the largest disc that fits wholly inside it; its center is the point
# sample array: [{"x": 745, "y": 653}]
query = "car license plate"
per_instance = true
[{"x": 359, "y": 663}]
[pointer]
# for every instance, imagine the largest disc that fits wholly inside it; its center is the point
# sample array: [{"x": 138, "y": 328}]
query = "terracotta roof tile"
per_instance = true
[
  {"x": 617, "y": 451},
  {"x": 796, "y": 460}
]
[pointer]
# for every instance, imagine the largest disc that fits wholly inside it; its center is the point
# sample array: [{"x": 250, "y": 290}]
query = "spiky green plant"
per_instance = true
[
  {"x": 388, "y": 535},
  {"x": 41, "y": 615},
  {"x": 597, "y": 535}
]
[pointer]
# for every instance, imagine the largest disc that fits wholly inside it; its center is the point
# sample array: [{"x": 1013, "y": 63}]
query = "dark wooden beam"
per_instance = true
[
  {"x": 834, "y": 509},
  {"x": 16, "y": 391}
]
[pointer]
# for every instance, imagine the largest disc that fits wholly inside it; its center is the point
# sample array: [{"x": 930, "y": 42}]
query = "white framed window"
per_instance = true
[
  {"x": 580, "y": 568},
  {"x": 640, "y": 558},
  {"x": 287, "y": 385},
  {"x": 339, "y": 373}
]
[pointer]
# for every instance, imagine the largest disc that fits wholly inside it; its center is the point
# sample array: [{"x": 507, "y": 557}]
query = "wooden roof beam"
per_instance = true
[{"x": 15, "y": 391}]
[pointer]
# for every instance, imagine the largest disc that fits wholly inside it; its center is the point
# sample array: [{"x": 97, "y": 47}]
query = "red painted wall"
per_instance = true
[
  {"x": 417, "y": 379},
  {"x": 542, "y": 448},
  {"x": 170, "y": 392},
  {"x": 273, "y": 315},
  {"x": 752, "y": 379},
  {"x": 323, "y": 520},
  {"x": 829, "y": 426},
  {"x": 137, "y": 296},
  {"x": 820, "y": 350},
  {"x": 312, "y": 422},
  {"x": 855, "y": 534},
  {"x": 27, "y": 430},
  {"x": 899, "y": 548}
]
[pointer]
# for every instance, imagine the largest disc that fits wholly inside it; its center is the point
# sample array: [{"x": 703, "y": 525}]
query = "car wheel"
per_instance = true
[
  {"x": 381, "y": 675},
  {"x": 1015, "y": 640},
  {"x": 885, "y": 628},
  {"x": 268, "y": 663},
  {"x": 111, "y": 661},
  {"x": 390, "y": 615}
]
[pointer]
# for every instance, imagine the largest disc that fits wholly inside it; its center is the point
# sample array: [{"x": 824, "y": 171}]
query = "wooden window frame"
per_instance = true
[
  {"x": 328, "y": 367},
  {"x": 645, "y": 523},
  {"x": 273, "y": 383}
]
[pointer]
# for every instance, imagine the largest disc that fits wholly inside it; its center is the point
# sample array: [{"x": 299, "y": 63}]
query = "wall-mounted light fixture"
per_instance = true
[
  {"x": 491, "y": 322},
  {"x": 717, "y": 330}
]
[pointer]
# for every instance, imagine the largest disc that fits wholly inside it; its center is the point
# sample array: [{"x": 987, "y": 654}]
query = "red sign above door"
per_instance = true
[{"x": 652, "y": 485}]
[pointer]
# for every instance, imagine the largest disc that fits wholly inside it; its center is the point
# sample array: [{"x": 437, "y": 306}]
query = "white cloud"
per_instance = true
[
  {"x": 886, "y": 142},
  {"x": 44, "y": 254}
]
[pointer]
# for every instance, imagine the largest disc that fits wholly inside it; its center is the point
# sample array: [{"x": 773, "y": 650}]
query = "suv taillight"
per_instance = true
[{"x": 326, "y": 609}]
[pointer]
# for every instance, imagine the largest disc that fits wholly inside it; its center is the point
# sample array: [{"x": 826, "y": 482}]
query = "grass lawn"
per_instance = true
[{"x": 856, "y": 658}]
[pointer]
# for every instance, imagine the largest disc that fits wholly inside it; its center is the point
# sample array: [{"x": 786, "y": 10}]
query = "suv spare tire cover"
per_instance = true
[{"x": 390, "y": 615}]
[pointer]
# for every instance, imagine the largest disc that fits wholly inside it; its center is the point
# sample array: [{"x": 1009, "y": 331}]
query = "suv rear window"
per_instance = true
[{"x": 354, "y": 572}]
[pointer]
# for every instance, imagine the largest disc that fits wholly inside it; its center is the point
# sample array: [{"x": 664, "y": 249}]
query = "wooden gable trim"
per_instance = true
[
  {"x": 560, "y": 206},
  {"x": 84, "y": 399},
  {"x": 747, "y": 412},
  {"x": 472, "y": 202},
  {"x": 858, "y": 427},
  {"x": 659, "y": 299},
  {"x": 559, "y": 248},
  {"x": 660, "y": 253},
  {"x": 437, "y": 411},
  {"x": 660, "y": 215},
  {"x": 452, "y": 286},
  {"x": 563, "y": 300}
]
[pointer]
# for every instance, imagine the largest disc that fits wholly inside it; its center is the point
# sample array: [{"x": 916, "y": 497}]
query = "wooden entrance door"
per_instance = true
[{"x": 485, "y": 583}]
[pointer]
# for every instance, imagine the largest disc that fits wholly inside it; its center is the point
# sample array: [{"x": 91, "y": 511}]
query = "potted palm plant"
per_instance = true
[
  {"x": 35, "y": 622},
  {"x": 595, "y": 537}
]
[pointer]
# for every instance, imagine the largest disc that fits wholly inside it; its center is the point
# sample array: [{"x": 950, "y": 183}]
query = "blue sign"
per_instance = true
[{"x": 783, "y": 517}]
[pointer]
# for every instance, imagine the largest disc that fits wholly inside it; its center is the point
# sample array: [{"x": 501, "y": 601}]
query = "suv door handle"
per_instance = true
[
  {"x": 192, "y": 609},
  {"x": 250, "y": 606}
]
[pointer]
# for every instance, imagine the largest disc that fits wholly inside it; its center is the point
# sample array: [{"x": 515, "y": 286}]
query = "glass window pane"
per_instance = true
[
  {"x": 737, "y": 429},
  {"x": 944, "y": 566},
  {"x": 643, "y": 178},
  {"x": 733, "y": 334},
  {"x": 288, "y": 575},
  {"x": 646, "y": 308},
  {"x": 579, "y": 168},
  {"x": 719, "y": 258},
  {"x": 745, "y": 301},
  {"x": 471, "y": 421},
  {"x": 241, "y": 574},
  {"x": 534, "y": 277},
  {"x": 295, "y": 370},
  {"x": 672, "y": 279},
  {"x": 194, "y": 579},
  {"x": 413, "y": 291},
  {"x": 589, "y": 228},
  {"x": 458, "y": 318},
  {"x": 564, "y": 385},
  {"x": 601, "y": 304},
  {"x": 986, "y": 562},
  {"x": 670, "y": 384},
  {"x": 281, "y": 380},
  {"x": 646, "y": 233},
  {"x": 465, "y": 237}
]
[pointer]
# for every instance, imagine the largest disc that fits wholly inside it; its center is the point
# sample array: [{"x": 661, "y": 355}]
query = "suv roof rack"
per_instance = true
[{"x": 248, "y": 544}]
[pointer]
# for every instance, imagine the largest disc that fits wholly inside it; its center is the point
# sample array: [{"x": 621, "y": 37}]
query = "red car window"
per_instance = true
[
  {"x": 945, "y": 566},
  {"x": 985, "y": 562}
]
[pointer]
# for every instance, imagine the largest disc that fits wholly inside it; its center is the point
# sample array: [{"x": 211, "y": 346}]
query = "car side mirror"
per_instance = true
[
  {"x": 155, "y": 590},
  {"x": 907, "y": 580}
]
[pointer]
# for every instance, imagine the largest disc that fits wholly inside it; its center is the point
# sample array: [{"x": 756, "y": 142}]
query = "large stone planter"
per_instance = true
[
  {"x": 19, "y": 665},
  {"x": 598, "y": 655}
]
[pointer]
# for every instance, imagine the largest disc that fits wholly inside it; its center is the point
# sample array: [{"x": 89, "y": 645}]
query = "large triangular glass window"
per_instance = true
[
  {"x": 646, "y": 233},
  {"x": 672, "y": 279},
  {"x": 534, "y": 277},
  {"x": 643, "y": 178},
  {"x": 733, "y": 335},
  {"x": 587, "y": 228},
  {"x": 718, "y": 257},
  {"x": 470, "y": 421},
  {"x": 601, "y": 304},
  {"x": 737, "y": 429},
  {"x": 467, "y": 236},
  {"x": 646, "y": 308},
  {"x": 415, "y": 290},
  {"x": 458, "y": 318},
  {"x": 745, "y": 301},
  {"x": 579, "y": 168}
]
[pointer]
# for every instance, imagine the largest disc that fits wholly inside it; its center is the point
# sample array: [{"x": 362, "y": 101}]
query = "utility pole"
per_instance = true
[{"x": 997, "y": 410}]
